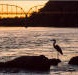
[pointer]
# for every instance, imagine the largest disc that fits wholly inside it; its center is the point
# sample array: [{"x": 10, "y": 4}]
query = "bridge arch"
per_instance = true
[
  {"x": 34, "y": 9},
  {"x": 7, "y": 10}
]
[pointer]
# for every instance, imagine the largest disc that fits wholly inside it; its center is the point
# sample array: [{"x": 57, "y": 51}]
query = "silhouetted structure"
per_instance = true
[{"x": 8, "y": 10}]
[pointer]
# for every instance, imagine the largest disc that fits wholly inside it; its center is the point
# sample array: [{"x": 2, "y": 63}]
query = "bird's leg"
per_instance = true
[{"x": 57, "y": 55}]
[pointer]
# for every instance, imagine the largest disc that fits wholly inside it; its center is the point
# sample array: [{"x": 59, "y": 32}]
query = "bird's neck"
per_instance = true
[{"x": 54, "y": 43}]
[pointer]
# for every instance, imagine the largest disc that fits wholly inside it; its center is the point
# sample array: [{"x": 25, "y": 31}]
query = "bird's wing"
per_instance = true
[{"x": 58, "y": 48}]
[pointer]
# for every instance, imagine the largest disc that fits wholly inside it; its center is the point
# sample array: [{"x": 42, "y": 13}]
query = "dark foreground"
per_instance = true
[
  {"x": 30, "y": 63},
  {"x": 74, "y": 61}
]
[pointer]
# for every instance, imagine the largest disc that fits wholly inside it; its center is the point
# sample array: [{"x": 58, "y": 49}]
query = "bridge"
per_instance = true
[{"x": 7, "y": 10}]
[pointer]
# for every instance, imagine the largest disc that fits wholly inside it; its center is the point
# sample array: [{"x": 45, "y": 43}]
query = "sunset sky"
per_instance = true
[{"x": 25, "y": 4}]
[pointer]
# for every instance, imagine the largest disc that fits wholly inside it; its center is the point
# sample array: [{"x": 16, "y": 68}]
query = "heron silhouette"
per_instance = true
[{"x": 57, "y": 47}]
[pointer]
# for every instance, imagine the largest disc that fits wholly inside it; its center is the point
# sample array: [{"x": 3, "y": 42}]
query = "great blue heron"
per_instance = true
[{"x": 58, "y": 48}]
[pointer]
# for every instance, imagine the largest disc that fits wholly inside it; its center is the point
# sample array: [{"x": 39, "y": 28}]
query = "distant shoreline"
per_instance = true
[
  {"x": 25, "y": 22},
  {"x": 35, "y": 26}
]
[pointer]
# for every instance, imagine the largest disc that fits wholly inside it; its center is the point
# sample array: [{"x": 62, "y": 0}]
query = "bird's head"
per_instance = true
[{"x": 53, "y": 40}]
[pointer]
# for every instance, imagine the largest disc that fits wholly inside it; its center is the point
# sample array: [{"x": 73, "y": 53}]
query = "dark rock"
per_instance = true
[
  {"x": 2, "y": 64},
  {"x": 74, "y": 60},
  {"x": 30, "y": 63},
  {"x": 54, "y": 61}
]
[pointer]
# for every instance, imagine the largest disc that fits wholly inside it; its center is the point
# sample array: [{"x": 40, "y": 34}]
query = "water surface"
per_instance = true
[{"x": 15, "y": 42}]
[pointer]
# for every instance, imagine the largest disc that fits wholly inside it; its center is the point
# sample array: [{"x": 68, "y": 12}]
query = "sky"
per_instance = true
[{"x": 25, "y": 4}]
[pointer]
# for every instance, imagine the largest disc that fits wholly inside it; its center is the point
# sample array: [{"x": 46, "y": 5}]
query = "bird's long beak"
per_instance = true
[{"x": 51, "y": 40}]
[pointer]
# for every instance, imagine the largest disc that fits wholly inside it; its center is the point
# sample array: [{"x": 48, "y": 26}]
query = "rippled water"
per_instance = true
[{"x": 15, "y": 42}]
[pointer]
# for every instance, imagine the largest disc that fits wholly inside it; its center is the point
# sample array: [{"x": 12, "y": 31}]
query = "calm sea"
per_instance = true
[{"x": 20, "y": 41}]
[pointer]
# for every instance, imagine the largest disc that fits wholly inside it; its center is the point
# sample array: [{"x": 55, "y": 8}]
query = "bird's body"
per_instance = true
[{"x": 58, "y": 48}]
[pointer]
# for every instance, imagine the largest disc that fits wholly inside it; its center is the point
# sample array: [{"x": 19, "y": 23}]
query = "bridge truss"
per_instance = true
[{"x": 7, "y": 10}]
